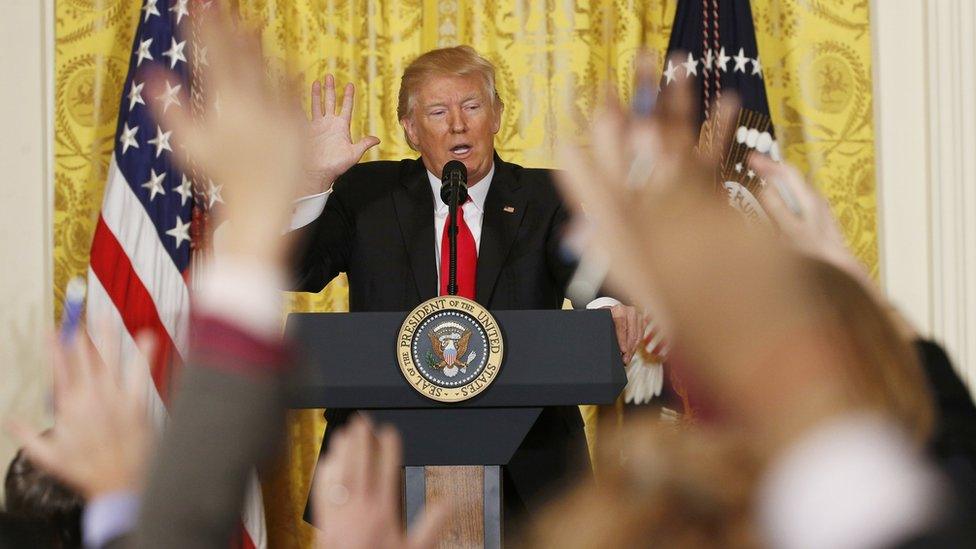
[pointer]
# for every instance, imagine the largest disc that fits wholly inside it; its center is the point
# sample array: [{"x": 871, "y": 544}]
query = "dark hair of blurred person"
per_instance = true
[
  {"x": 885, "y": 371},
  {"x": 661, "y": 486},
  {"x": 35, "y": 496}
]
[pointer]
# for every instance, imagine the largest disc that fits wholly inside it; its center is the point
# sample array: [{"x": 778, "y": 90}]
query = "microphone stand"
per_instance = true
[
  {"x": 451, "y": 192},
  {"x": 452, "y": 287}
]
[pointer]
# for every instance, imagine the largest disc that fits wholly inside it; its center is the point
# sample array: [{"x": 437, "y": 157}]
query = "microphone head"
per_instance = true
[{"x": 455, "y": 169}]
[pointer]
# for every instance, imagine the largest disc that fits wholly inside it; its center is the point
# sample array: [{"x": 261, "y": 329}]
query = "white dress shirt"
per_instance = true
[{"x": 309, "y": 208}]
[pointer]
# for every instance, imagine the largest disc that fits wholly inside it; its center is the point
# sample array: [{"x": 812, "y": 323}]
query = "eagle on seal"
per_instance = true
[{"x": 450, "y": 352}]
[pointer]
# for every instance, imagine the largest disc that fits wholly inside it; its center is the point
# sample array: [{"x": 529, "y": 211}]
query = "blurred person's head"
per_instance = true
[
  {"x": 659, "y": 485},
  {"x": 34, "y": 497},
  {"x": 884, "y": 373},
  {"x": 450, "y": 109}
]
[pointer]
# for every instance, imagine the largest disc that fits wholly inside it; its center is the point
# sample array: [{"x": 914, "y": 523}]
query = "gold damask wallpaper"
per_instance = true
[{"x": 553, "y": 57}]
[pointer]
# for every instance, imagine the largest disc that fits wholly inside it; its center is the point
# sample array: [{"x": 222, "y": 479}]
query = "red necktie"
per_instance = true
[{"x": 467, "y": 257}]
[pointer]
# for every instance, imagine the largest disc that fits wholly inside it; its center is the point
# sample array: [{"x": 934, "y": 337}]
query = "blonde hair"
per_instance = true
[
  {"x": 885, "y": 373},
  {"x": 659, "y": 485},
  {"x": 456, "y": 61}
]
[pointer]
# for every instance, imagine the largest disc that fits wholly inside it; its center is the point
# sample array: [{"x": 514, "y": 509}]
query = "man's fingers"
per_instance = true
[
  {"x": 633, "y": 328},
  {"x": 620, "y": 327},
  {"x": 316, "y": 100},
  {"x": 348, "y": 95},
  {"x": 366, "y": 144},
  {"x": 330, "y": 96},
  {"x": 429, "y": 527}
]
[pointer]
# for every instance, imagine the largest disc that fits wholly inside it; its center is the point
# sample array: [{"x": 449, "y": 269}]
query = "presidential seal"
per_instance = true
[{"x": 450, "y": 348}]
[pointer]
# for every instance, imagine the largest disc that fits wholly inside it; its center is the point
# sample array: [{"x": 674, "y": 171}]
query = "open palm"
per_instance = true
[{"x": 330, "y": 150}]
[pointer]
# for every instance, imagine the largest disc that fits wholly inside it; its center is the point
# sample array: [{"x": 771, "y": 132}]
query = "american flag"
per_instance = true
[{"x": 139, "y": 272}]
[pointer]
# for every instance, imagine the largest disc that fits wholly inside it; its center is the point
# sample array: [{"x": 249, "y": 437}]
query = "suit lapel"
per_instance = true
[
  {"x": 504, "y": 208},
  {"x": 415, "y": 214}
]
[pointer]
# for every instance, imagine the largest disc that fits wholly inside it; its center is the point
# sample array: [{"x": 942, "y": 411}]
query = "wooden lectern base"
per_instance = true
[{"x": 475, "y": 497}]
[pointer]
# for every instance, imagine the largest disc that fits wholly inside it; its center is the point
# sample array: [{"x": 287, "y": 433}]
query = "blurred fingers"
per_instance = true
[
  {"x": 427, "y": 532},
  {"x": 359, "y": 456},
  {"x": 217, "y": 34},
  {"x": 136, "y": 373},
  {"x": 177, "y": 119},
  {"x": 251, "y": 66},
  {"x": 390, "y": 464},
  {"x": 676, "y": 112},
  {"x": 80, "y": 360},
  {"x": 39, "y": 450},
  {"x": 646, "y": 80},
  {"x": 608, "y": 139},
  {"x": 64, "y": 376}
]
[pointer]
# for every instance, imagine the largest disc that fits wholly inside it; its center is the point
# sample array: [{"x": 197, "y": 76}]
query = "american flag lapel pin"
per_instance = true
[{"x": 509, "y": 209}]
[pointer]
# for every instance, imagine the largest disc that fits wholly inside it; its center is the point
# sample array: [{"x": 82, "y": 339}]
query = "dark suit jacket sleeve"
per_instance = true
[
  {"x": 227, "y": 416},
  {"x": 322, "y": 247},
  {"x": 953, "y": 443}
]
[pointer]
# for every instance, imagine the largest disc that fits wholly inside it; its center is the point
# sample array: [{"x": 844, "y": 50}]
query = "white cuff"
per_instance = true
[
  {"x": 602, "y": 303},
  {"x": 243, "y": 292},
  {"x": 853, "y": 483},
  {"x": 108, "y": 517},
  {"x": 307, "y": 209}
]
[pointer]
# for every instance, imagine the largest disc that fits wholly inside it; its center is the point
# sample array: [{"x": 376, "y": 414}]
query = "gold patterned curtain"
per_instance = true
[{"x": 554, "y": 57}]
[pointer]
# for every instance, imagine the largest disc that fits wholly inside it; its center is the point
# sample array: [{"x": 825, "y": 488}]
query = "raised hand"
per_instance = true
[
  {"x": 330, "y": 150},
  {"x": 102, "y": 436},
  {"x": 249, "y": 140},
  {"x": 803, "y": 215},
  {"x": 738, "y": 302},
  {"x": 805, "y": 221},
  {"x": 357, "y": 494}
]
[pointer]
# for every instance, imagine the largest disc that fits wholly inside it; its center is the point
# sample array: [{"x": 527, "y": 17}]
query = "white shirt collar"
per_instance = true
[{"x": 477, "y": 192}]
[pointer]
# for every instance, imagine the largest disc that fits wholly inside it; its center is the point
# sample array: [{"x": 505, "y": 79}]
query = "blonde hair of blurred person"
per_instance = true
[
  {"x": 885, "y": 373},
  {"x": 661, "y": 486}
]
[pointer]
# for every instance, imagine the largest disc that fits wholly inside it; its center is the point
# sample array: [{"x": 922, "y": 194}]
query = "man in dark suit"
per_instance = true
[{"x": 382, "y": 223}]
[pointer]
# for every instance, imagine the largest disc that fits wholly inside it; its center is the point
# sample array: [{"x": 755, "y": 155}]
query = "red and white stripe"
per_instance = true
[{"x": 133, "y": 287}]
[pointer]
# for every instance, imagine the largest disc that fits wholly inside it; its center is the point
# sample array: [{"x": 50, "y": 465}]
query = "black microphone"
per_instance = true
[
  {"x": 454, "y": 179},
  {"x": 454, "y": 192}
]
